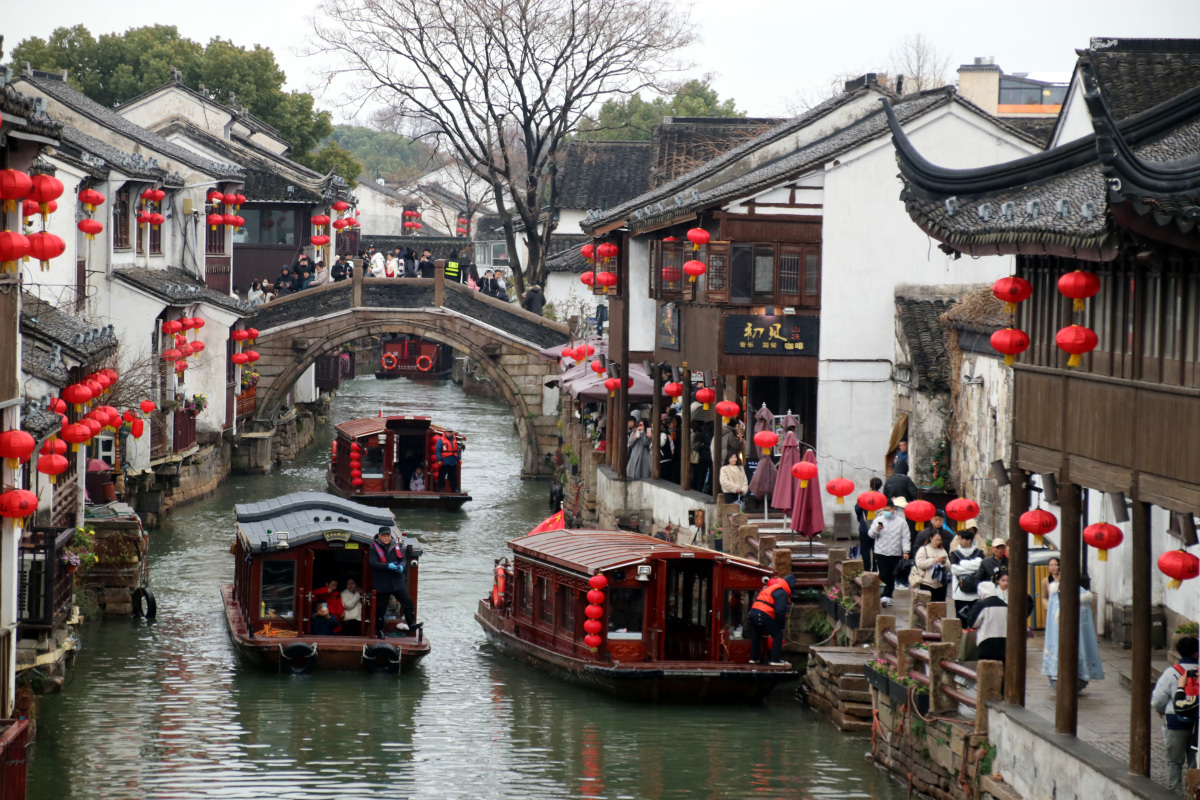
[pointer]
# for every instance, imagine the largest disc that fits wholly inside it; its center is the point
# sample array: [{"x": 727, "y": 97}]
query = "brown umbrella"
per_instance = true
[
  {"x": 785, "y": 481},
  {"x": 763, "y": 482},
  {"x": 808, "y": 516}
]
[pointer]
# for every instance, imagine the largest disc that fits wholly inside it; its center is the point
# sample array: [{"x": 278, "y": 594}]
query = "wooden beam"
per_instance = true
[
  {"x": 1066, "y": 711},
  {"x": 656, "y": 426},
  {"x": 1018, "y": 587},
  {"x": 685, "y": 433},
  {"x": 1139, "y": 675}
]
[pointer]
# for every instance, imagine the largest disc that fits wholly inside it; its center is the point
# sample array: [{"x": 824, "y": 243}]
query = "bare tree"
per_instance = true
[
  {"x": 501, "y": 83},
  {"x": 921, "y": 63}
]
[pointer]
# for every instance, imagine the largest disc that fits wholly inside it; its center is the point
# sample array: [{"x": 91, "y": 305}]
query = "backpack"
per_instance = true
[{"x": 1187, "y": 697}]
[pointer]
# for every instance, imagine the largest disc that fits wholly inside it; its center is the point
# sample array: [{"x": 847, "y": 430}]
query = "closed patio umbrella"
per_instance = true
[
  {"x": 785, "y": 481},
  {"x": 763, "y": 482},
  {"x": 808, "y": 516}
]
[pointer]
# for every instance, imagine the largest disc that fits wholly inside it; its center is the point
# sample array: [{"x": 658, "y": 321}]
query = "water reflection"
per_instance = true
[{"x": 165, "y": 710}]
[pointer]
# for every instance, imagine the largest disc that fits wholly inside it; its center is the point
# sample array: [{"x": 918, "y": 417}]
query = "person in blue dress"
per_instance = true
[{"x": 1091, "y": 668}]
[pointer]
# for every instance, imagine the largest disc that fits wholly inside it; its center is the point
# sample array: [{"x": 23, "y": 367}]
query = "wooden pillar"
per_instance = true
[
  {"x": 439, "y": 283},
  {"x": 656, "y": 428},
  {"x": 623, "y": 412},
  {"x": 1066, "y": 710},
  {"x": 356, "y": 281},
  {"x": 718, "y": 452},
  {"x": 1018, "y": 587},
  {"x": 685, "y": 433},
  {"x": 1139, "y": 695}
]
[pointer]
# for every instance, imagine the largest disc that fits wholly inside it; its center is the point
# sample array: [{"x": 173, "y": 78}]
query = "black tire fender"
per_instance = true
[
  {"x": 381, "y": 658},
  {"x": 298, "y": 658},
  {"x": 144, "y": 604}
]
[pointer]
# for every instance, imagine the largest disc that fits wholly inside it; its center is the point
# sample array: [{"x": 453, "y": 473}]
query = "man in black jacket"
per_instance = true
[
  {"x": 899, "y": 484},
  {"x": 996, "y": 563},
  {"x": 388, "y": 565},
  {"x": 426, "y": 267}
]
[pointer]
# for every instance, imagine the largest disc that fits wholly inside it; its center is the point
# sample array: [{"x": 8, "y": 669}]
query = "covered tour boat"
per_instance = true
[
  {"x": 390, "y": 452},
  {"x": 413, "y": 357},
  {"x": 665, "y": 624},
  {"x": 287, "y": 551}
]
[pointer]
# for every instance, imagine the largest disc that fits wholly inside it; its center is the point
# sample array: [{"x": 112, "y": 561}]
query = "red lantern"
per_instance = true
[
  {"x": 871, "y": 502},
  {"x": 840, "y": 488},
  {"x": 597, "y": 582},
  {"x": 13, "y": 247},
  {"x": 90, "y": 199},
  {"x": 253, "y": 334},
  {"x": 672, "y": 274},
  {"x": 1076, "y": 340},
  {"x": 1011, "y": 342},
  {"x": 612, "y": 384},
  {"x": 14, "y": 185},
  {"x": 137, "y": 427},
  {"x": 229, "y": 199},
  {"x": 804, "y": 471},
  {"x": 592, "y": 626},
  {"x": 197, "y": 323},
  {"x": 728, "y": 409},
  {"x": 44, "y": 189},
  {"x": 694, "y": 269},
  {"x": 1079, "y": 285},
  {"x": 597, "y": 367},
  {"x": 93, "y": 425},
  {"x": 587, "y": 278},
  {"x": 340, "y": 206},
  {"x": 320, "y": 240},
  {"x": 920, "y": 512},
  {"x": 111, "y": 373},
  {"x": 239, "y": 335},
  {"x": 171, "y": 354},
  {"x": 673, "y": 390},
  {"x": 45, "y": 246},
  {"x": 1179, "y": 566},
  {"x": 584, "y": 351},
  {"x": 320, "y": 220},
  {"x": 181, "y": 367},
  {"x": 197, "y": 347},
  {"x": 766, "y": 440},
  {"x": 171, "y": 327},
  {"x": 29, "y": 209},
  {"x": 16, "y": 447},
  {"x": 607, "y": 250},
  {"x": 239, "y": 221},
  {"x": 58, "y": 405},
  {"x": 76, "y": 434},
  {"x": 239, "y": 200},
  {"x": 77, "y": 394},
  {"x": 356, "y": 483},
  {"x": 147, "y": 406},
  {"x": 1103, "y": 537},
  {"x": 568, "y": 353},
  {"x": 593, "y": 612},
  {"x": 213, "y": 196},
  {"x": 961, "y": 510},
  {"x": 356, "y": 473},
  {"x": 90, "y": 227},
  {"x": 697, "y": 236},
  {"x": 606, "y": 279},
  {"x": 1012, "y": 290},
  {"x": 252, "y": 355},
  {"x": 593, "y": 641},
  {"x": 595, "y": 597},
  {"x": 157, "y": 219},
  {"x": 339, "y": 224},
  {"x": 1038, "y": 522},
  {"x": 53, "y": 445},
  {"x": 229, "y": 219},
  {"x": 706, "y": 396},
  {"x": 18, "y": 504},
  {"x": 94, "y": 385}
]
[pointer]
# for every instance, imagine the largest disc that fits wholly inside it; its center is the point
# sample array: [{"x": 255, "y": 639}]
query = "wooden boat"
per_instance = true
[
  {"x": 672, "y": 617},
  {"x": 411, "y": 357},
  {"x": 287, "y": 547},
  {"x": 389, "y": 450}
]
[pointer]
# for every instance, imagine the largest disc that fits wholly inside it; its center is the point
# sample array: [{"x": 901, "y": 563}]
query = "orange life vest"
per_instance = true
[
  {"x": 765, "y": 602},
  {"x": 449, "y": 446}
]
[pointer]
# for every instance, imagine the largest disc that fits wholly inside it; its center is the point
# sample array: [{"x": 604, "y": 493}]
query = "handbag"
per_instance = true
[
  {"x": 904, "y": 569},
  {"x": 939, "y": 575}
]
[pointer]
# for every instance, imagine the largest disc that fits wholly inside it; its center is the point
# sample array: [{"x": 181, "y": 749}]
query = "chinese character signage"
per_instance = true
[
  {"x": 668, "y": 326},
  {"x": 759, "y": 334}
]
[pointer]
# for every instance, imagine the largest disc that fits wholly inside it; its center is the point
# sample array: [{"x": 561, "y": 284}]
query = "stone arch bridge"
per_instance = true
[{"x": 504, "y": 339}]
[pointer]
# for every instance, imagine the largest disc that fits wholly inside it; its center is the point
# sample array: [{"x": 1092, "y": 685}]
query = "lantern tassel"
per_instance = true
[
  {"x": 13, "y": 463},
  {"x": 870, "y": 515},
  {"x": 52, "y": 480},
  {"x": 1010, "y": 308},
  {"x": 803, "y": 484},
  {"x": 10, "y": 206},
  {"x": 962, "y": 525},
  {"x": 706, "y": 406},
  {"x": 1009, "y": 360},
  {"x": 1073, "y": 361},
  {"x": 841, "y": 501},
  {"x": 766, "y": 451},
  {"x": 1039, "y": 542},
  {"x": 1174, "y": 583},
  {"x": 1078, "y": 304},
  {"x": 920, "y": 526},
  {"x": 1104, "y": 555}
]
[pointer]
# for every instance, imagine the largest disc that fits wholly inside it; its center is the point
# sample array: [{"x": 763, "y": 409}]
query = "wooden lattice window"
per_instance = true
[
  {"x": 120, "y": 220},
  {"x": 717, "y": 276}
]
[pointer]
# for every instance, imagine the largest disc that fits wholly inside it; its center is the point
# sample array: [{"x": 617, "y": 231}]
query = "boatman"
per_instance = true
[
  {"x": 449, "y": 451},
  {"x": 389, "y": 566},
  {"x": 767, "y": 616}
]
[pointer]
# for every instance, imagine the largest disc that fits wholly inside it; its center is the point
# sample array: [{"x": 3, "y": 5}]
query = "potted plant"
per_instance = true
[
  {"x": 898, "y": 689},
  {"x": 1182, "y": 630},
  {"x": 718, "y": 534},
  {"x": 829, "y": 601},
  {"x": 877, "y": 674},
  {"x": 849, "y": 612},
  {"x": 249, "y": 380},
  {"x": 196, "y": 405},
  {"x": 80, "y": 554}
]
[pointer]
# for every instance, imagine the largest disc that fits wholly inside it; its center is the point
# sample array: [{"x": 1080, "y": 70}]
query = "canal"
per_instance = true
[{"x": 163, "y": 709}]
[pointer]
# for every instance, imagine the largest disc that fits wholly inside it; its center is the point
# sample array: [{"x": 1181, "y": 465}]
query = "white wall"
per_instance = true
[
  {"x": 1074, "y": 120},
  {"x": 381, "y": 215},
  {"x": 658, "y": 504},
  {"x": 305, "y": 390},
  {"x": 643, "y": 309},
  {"x": 569, "y": 295},
  {"x": 160, "y": 107}
]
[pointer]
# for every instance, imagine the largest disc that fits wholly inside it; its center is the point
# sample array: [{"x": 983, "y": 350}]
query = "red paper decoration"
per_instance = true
[
  {"x": 840, "y": 488},
  {"x": 728, "y": 409},
  {"x": 694, "y": 269},
  {"x": 13, "y": 247},
  {"x": 14, "y": 185},
  {"x": 147, "y": 406},
  {"x": 1076, "y": 340},
  {"x": 320, "y": 220},
  {"x": 961, "y": 510},
  {"x": 1038, "y": 522},
  {"x": 76, "y": 434},
  {"x": 1103, "y": 537},
  {"x": 673, "y": 390},
  {"x": 1179, "y": 566},
  {"x": 1011, "y": 342},
  {"x": 587, "y": 278},
  {"x": 16, "y": 447},
  {"x": 606, "y": 279},
  {"x": 706, "y": 396},
  {"x": 1012, "y": 290},
  {"x": 672, "y": 274},
  {"x": 1079, "y": 285},
  {"x": 697, "y": 236},
  {"x": 804, "y": 471},
  {"x": 607, "y": 251},
  {"x": 320, "y": 240},
  {"x": 871, "y": 502},
  {"x": 90, "y": 198},
  {"x": 18, "y": 504},
  {"x": 597, "y": 367},
  {"x": 766, "y": 440},
  {"x": 44, "y": 189},
  {"x": 77, "y": 394},
  {"x": 920, "y": 512},
  {"x": 90, "y": 227},
  {"x": 45, "y": 246}
]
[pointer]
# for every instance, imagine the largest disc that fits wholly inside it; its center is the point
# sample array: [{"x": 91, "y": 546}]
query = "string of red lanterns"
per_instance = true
[{"x": 594, "y": 612}]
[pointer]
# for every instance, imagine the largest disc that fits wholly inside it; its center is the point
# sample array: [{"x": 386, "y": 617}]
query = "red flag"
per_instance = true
[{"x": 554, "y": 522}]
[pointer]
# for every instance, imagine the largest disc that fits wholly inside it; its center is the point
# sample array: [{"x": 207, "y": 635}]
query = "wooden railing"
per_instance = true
[
  {"x": 14, "y": 758},
  {"x": 864, "y": 587},
  {"x": 46, "y": 586},
  {"x": 247, "y": 401}
]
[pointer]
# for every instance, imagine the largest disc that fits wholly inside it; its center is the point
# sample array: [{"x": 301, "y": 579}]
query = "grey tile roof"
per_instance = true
[
  {"x": 14, "y": 104},
  {"x": 602, "y": 174},
  {"x": 134, "y": 165},
  {"x": 306, "y": 516},
  {"x": 680, "y": 144},
  {"x": 566, "y": 256},
  {"x": 178, "y": 287},
  {"x": 920, "y": 321},
  {"x": 1138, "y": 74},
  {"x": 43, "y": 321},
  {"x": 55, "y": 87},
  {"x": 39, "y": 422},
  {"x": 240, "y": 113}
]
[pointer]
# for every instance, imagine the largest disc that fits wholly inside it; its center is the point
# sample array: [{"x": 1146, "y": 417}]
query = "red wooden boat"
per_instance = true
[
  {"x": 287, "y": 547},
  {"x": 390, "y": 449},
  {"x": 671, "y": 628},
  {"x": 411, "y": 357}
]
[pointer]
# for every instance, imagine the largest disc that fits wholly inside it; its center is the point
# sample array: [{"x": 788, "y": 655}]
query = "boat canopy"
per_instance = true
[
  {"x": 592, "y": 551},
  {"x": 312, "y": 516}
]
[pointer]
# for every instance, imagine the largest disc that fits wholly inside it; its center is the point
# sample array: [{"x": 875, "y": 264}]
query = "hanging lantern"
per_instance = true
[
  {"x": 214, "y": 196},
  {"x": 90, "y": 198},
  {"x": 197, "y": 323},
  {"x": 44, "y": 189},
  {"x": 92, "y": 424},
  {"x": 568, "y": 353},
  {"x": 592, "y": 626},
  {"x": 229, "y": 199},
  {"x": 1010, "y": 291},
  {"x": 597, "y": 582},
  {"x": 239, "y": 358},
  {"x": 1011, "y": 342},
  {"x": 607, "y": 251},
  {"x": 147, "y": 406},
  {"x": 766, "y": 440},
  {"x": 587, "y": 278},
  {"x": 95, "y": 386},
  {"x": 157, "y": 219},
  {"x": 14, "y": 185},
  {"x": 1179, "y": 566},
  {"x": 871, "y": 502},
  {"x": 595, "y": 597},
  {"x": 197, "y": 348},
  {"x": 58, "y": 405},
  {"x": 252, "y": 355},
  {"x": 804, "y": 471},
  {"x": 1103, "y": 537},
  {"x": 1038, "y": 522},
  {"x": 239, "y": 221},
  {"x": 53, "y": 445},
  {"x": 320, "y": 240},
  {"x": 16, "y": 447},
  {"x": 18, "y": 504},
  {"x": 320, "y": 220},
  {"x": 1076, "y": 340},
  {"x": 597, "y": 367},
  {"x": 694, "y": 269},
  {"x": 612, "y": 384},
  {"x": 339, "y": 224},
  {"x": 77, "y": 394},
  {"x": 674, "y": 389},
  {"x": 171, "y": 354},
  {"x": 76, "y": 434},
  {"x": 1079, "y": 285},
  {"x": 584, "y": 351},
  {"x": 253, "y": 334},
  {"x": 672, "y": 274},
  {"x": 239, "y": 335},
  {"x": 215, "y": 220},
  {"x": 606, "y": 279},
  {"x": 239, "y": 200},
  {"x": 13, "y": 247},
  {"x": 137, "y": 427},
  {"x": 961, "y": 510},
  {"x": 229, "y": 220},
  {"x": 180, "y": 367},
  {"x": 340, "y": 206},
  {"x": 728, "y": 410},
  {"x": 706, "y": 396},
  {"x": 171, "y": 327},
  {"x": 45, "y": 246},
  {"x": 697, "y": 236},
  {"x": 840, "y": 488},
  {"x": 90, "y": 227},
  {"x": 919, "y": 512},
  {"x": 186, "y": 350}
]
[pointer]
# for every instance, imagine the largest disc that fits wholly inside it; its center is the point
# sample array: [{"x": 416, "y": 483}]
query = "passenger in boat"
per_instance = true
[
  {"x": 329, "y": 595},
  {"x": 352, "y": 606},
  {"x": 388, "y": 566},
  {"x": 417, "y": 484},
  {"x": 768, "y": 616},
  {"x": 324, "y": 623}
]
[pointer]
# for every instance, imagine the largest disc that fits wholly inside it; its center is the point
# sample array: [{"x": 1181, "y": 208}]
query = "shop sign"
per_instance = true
[{"x": 761, "y": 334}]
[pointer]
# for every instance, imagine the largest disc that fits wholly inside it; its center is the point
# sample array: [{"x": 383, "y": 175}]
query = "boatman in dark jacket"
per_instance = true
[
  {"x": 448, "y": 450},
  {"x": 388, "y": 566},
  {"x": 767, "y": 616}
]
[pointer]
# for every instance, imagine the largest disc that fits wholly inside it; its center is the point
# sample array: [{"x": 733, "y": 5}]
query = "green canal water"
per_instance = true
[{"x": 164, "y": 709}]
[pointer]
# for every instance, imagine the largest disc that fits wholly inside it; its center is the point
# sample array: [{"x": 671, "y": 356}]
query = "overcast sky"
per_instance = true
[{"x": 762, "y": 52}]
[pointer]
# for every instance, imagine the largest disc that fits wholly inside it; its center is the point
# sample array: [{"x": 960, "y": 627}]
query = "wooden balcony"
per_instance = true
[
  {"x": 14, "y": 758},
  {"x": 247, "y": 401},
  {"x": 46, "y": 587}
]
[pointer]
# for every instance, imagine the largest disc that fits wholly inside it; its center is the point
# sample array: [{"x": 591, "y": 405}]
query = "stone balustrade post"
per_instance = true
[
  {"x": 836, "y": 556},
  {"x": 884, "y": 624},
  {"x": 939, "y": 677},
  {"x": 989, "y": 678},
  {"x": 906, "y": 638}
]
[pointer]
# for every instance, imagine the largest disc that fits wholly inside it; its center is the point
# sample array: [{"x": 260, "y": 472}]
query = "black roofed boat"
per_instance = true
[{"x": 287, "y": 550}]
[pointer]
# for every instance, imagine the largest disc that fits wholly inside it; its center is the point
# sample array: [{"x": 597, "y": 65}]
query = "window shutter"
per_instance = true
[
  {"x": 790, "y": 279},
  {"x": 717, "y": 276}
]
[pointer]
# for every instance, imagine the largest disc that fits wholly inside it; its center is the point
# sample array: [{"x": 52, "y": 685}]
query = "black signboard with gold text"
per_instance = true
[{"x": 760, "y": 334}]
